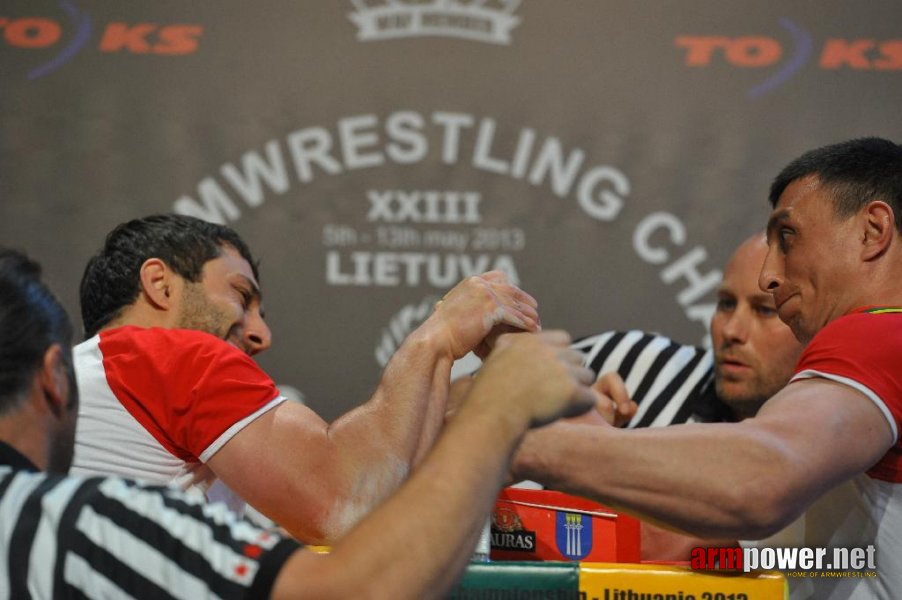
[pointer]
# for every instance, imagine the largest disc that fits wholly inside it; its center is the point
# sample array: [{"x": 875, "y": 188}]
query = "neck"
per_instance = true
[
  {"x": 25, "y": 434},
  {"x": 140, "y": 314},
  {"x": 879, "y": 283}
]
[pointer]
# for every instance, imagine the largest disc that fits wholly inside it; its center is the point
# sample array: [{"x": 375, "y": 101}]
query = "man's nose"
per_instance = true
[
  {"x": 256, "y": 335},
  {"x": 736, "y": 328},
  {"x": 771, "y": 276}
]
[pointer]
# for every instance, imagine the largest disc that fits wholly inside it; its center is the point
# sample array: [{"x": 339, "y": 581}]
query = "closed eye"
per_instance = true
[
  {"x": 725, "y": 303},
  {"x": 246, "y": 296}
]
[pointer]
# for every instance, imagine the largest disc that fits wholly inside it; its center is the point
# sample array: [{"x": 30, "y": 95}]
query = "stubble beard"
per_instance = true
[{"x": 200, "y": 314}]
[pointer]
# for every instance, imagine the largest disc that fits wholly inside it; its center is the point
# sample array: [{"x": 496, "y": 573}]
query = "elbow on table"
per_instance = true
[
  {"x": 310, "y": 521},
  {"x": 326, "y": 520}
]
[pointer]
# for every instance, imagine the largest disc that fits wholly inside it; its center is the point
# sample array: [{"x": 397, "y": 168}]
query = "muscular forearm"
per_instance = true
[
  {"x": 331, "y": 475},
  {"x": 406, "y": 411},
  {"x": 364, "y": 455},
  {"x": 393, "y": 553},
  {"x": 739, "y": 480},
  {"x": 411, "y": 400},
  {"x": 711, "y": 480},
  {"x": 416, "y": 383},
  {"x": 374, "y": 447}
]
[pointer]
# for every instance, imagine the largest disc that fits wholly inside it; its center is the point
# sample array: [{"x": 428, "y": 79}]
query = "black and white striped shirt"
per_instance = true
[
  {"x": 672, "y": 383},
  {"x": 106, "y": 537}
]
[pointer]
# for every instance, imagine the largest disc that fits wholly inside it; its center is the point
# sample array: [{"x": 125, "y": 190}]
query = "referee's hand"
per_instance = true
[{"x": 614, "y": 405}]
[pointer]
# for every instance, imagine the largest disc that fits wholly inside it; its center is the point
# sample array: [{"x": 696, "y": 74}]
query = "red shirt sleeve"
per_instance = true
[
  {"x": 863, "y": 350},
  {"x": 185, "y": 387}
]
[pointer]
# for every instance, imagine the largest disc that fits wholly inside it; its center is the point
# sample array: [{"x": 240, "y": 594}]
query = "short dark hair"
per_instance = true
[
  {"x": 31, "y": 320},
  {"x": 111, "y": 280},
  {"x": 854, "y": 172}
]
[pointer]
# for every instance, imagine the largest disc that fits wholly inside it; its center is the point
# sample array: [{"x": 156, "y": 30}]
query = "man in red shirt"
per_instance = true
[
  {"x": 826, "y": 447},
  {"x": 173, "y": 312}
]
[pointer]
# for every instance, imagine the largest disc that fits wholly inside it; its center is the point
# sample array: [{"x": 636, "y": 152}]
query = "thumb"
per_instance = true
[{"x": 613, "y": 387}]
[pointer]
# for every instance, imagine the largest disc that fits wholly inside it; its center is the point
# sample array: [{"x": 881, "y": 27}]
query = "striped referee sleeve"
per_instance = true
[
  {"x": 67, "y": 537},
  {"x": 664, "y": 378}
]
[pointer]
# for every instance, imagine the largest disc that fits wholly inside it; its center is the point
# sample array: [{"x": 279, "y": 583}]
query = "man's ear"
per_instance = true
[
  {"x": 54, "y": 380},
  {"x": 156, "y": 282},
  {"x": 879, "y": 228}
]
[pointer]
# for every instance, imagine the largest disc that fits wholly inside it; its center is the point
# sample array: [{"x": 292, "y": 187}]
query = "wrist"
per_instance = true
[
  {"x": 536, "y": 455},
  {"x": 508, "y": 416},
  {"x": 431, "y": 338}
]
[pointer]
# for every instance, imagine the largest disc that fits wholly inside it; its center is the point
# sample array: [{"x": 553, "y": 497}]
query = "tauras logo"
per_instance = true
[
  {"x": 508, "y": 532},
  {"x": 518, "y": 541},
  {"x": 488, "y": 21}
]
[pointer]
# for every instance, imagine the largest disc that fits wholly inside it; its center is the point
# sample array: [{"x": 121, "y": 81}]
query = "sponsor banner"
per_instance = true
[
  {"x": 795, "y": 562},
  {"x": 373, "y": 152},
  {"x": 658, "y": 582},
  {"x": 545, "y": 525}
]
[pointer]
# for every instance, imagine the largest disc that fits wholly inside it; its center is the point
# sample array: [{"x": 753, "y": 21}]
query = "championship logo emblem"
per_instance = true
[
  {"x": 489, "y": 21},
  {"x": 573, "y": 535}
]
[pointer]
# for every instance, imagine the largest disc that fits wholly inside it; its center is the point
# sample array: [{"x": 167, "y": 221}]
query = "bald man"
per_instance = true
[
  {"x": 653, "y": 381},
  {"x": 752, "y": 356}
]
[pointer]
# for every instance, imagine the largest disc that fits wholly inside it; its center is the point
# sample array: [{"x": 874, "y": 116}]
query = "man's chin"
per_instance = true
[
  {"x": 802, "y": 333},
  {"x": 730, "y": 381},
  {"x": 740, "y": 399}
]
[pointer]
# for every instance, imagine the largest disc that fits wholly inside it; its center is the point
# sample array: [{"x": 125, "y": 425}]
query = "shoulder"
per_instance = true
[
  {"x": 172, "y": 348},
  {"x": 866, "y": 334},
  {"x": 157, "y": 338},
  {"x": 864, "y": 323},
  {"x": 136, "y": 360},
  {"x": 860, "y": 350}
]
